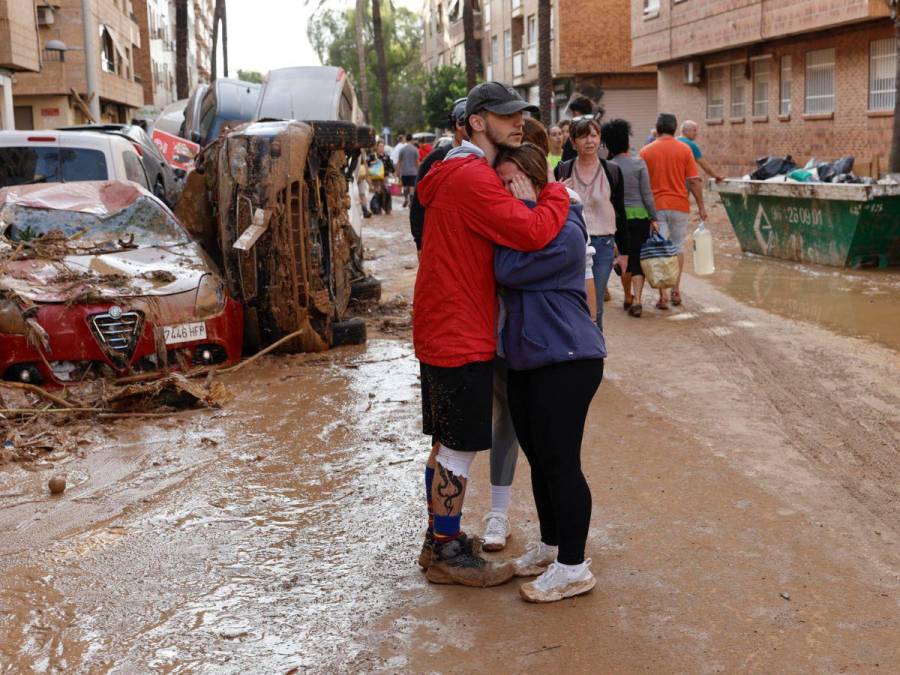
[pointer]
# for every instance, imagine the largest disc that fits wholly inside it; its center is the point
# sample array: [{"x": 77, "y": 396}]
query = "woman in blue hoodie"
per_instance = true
[{"x": 555, "y": 354}]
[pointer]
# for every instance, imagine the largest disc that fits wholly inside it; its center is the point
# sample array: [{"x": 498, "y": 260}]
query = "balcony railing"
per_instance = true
[
  {"x": 518, "y": 64},
  {"x": 532, "y": 55}
]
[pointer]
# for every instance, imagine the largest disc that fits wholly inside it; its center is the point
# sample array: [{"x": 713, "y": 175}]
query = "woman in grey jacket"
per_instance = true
[{"x": 639, "y": 208}]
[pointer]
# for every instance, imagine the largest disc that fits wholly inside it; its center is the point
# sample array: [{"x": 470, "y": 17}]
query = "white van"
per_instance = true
[{"x": 63, "y": 156}]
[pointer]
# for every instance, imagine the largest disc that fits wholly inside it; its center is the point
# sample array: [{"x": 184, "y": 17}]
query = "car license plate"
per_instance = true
[{"x": 184, "y": 332}]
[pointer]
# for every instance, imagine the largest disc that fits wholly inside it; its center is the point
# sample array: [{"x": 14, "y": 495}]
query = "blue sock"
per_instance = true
[
  {"x": 429, "y": 479},
  {"x": 446, "y": 528}
]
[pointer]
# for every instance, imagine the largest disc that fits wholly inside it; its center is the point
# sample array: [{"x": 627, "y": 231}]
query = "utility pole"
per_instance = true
[{"x": 90, "y": 59}]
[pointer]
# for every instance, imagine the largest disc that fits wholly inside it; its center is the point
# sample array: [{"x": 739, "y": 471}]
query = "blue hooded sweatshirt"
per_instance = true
[{"x": 547, "y": 315}]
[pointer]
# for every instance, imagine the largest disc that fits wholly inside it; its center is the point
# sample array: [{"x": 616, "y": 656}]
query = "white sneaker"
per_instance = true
[
  {"x": 496, "y": 531},
  {"x": 559, "y": 582},
  {"x": 535, "y": 559}
]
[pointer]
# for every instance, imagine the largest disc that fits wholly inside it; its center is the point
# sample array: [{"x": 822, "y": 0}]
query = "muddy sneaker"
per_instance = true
[
  {"x": 559, "y": 582},
  {"x": 451, "y": 563},
  {"x": 496, "y": 531},
  {"x": 471, "y": 544},
  {"x": 535, "y": 559}
]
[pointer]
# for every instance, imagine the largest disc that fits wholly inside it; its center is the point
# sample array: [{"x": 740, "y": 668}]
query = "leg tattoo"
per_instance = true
[{"x": 449, "y": 487}]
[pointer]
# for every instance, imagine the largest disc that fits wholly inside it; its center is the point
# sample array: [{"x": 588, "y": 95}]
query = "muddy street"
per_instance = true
[{"x": 742, "y": 454}]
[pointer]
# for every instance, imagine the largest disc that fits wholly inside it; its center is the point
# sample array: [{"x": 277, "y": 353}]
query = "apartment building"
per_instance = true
[
  {"x": 19, "y": 51},
  {"x": 809, "y": 78},
  {"x": 155, "y": 60},
  {"x": 47, "y": 99},
  {"x": 200, "y": 40},
  {"x": 592, "y": 55}
]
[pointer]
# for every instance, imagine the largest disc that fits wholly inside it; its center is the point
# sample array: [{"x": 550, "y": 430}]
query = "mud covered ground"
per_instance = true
[{"x": 742, "y": 453}]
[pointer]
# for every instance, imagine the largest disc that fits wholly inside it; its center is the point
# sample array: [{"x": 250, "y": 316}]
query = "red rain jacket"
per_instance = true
[{"x": 467, "y": 211}]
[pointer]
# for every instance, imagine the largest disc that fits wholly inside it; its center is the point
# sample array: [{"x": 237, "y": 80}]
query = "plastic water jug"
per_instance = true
[{"x": 703, "y": 251}]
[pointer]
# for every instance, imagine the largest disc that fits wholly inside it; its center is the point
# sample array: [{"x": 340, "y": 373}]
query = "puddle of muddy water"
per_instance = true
[
  {"x": 861, "y": 303},
  {"x": 268, "y": 557}
]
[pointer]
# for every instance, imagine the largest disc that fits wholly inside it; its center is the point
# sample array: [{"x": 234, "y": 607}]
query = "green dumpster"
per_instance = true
[{"x": 844, "y": 225}]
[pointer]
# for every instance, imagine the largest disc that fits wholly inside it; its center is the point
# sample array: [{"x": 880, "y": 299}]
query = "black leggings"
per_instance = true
[{"x": 549, "y": 406}]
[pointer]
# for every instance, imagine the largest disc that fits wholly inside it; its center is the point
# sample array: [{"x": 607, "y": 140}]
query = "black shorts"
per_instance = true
[
  {"x": 457, "y": 404},
  {"x": 408, "y": 181},
  {"x": 638, "y": 233}
]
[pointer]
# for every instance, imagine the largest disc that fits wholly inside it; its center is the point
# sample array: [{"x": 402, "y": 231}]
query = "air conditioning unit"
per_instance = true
[
  {"x": 45, "y": 15},
  {"x": 693, "y": 71}
]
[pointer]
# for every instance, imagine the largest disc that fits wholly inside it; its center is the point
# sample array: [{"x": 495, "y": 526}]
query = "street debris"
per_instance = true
[{"x": 57, "y": 485}]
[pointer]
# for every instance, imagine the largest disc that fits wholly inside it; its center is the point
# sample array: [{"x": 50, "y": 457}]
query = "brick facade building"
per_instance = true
[
  {"x": 19, "y": 50},
  {"x": 591, "y": 56},
  {"x": 809, "y": 78}
]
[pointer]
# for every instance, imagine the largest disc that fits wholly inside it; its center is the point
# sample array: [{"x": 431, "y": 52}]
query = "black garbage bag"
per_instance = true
[
  {"x": 844, "y": 165},
  {"x": 773, "y": 166},
  {"x": 826, "y": 172},
  {"x": 846, "y": 178}
]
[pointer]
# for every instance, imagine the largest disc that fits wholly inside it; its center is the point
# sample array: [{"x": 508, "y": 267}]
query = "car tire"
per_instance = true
[
  {"x": 366, "y": 289},
  {"x": 345, "y": 136},
  {"x": 349, "y": 332}
]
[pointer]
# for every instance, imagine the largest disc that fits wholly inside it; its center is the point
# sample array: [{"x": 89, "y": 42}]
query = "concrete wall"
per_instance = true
[
  {"x": 733, "y": 144},
  {"x": 19, "y": 48}
]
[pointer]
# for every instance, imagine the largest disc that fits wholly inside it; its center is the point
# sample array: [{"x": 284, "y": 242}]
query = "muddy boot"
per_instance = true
[
  {"x": 472, "y": 545},
  {"x": 451, "y": 563}
]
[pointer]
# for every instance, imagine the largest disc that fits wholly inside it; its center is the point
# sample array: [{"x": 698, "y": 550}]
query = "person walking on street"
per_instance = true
[
  {"x": 554, "y": 157},
  {"x": 408, "y": 166},
  {"x": 378, "y": 168},
  {"x": 467, "y": 212},
  {"x": 639, "y": 208},
  {"x": 395, "y": 151},
  {"x": 599, "y": 185},
  {"x": 673, "y": 172},
  {"x": 555, "y": 355},
  {"x": 689, "y": 131}
]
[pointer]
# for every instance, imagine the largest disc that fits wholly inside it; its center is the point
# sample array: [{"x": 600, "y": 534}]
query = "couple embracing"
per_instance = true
[{"x": 491, "y": 218}]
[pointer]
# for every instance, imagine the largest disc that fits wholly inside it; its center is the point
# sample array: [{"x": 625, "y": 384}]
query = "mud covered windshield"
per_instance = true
[{"x": 144, "y": 223}]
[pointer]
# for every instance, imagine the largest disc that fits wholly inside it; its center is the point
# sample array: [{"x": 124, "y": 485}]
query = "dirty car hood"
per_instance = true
[{"x": 150, "y": 271}]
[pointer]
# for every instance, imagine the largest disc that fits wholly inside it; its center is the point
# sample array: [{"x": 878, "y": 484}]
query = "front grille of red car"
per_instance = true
[{"x": 120, "y": 335}]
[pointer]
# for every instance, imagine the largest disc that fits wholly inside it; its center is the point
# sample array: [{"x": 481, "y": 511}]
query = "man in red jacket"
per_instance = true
[{"x": 467, "y": 212}]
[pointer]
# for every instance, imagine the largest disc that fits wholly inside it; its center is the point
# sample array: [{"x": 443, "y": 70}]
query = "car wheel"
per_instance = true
[
  {"x": 366, "y": 289},
  {"x": 349, "y": 332},
  {"x": 342, "y": 136}
]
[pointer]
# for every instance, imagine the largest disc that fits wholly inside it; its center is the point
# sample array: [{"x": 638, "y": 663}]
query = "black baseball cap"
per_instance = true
[
  {"x": 458, "y": 112},
  {"x": 497, "y": 98}
]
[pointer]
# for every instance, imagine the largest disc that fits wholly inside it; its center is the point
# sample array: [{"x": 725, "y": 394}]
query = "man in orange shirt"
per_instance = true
[{"x": 673, "y": 172}]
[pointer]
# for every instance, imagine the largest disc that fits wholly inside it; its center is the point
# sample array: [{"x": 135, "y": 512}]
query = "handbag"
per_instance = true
[{"x": 659, "y": 261}]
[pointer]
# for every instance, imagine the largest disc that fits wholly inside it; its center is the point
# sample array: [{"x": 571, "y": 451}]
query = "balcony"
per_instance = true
[
  {"x": 516, "y": 6},
  {"x": 456, "y": 32},
  {"x": 518, "y": 64}
]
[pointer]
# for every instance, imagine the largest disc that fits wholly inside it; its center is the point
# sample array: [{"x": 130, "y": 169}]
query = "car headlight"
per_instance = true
[{"x": 210, "y": 296}]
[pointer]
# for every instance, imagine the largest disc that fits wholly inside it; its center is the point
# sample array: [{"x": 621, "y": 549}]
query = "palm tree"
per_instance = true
[
  {"x": 219, "y": 16},
  {"x": 361, "y": 55},
  {"x": 469, "y": 44},
  {"x": 378, "y": 35},
  {"x": 545, "y": 60},
  {"x": 182, "y": 82}
]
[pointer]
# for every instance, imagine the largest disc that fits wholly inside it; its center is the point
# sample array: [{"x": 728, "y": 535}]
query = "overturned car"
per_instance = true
[
  {"x": 100, "y": 279},
  {"x": 270, "y": 202}
]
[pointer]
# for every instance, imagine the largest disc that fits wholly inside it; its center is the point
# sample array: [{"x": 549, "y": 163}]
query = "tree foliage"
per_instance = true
[
  {"x": 442, "y": 87},
  {"x": 250, "y": 76},
  {"x": 332, "y": 34}
]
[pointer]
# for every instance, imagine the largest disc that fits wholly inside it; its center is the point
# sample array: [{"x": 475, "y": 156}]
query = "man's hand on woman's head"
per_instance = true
[{"x": 522, "y": 188}]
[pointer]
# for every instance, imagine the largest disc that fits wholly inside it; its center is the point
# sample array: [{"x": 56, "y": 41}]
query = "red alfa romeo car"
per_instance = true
[{"x": 100, "y": 279}]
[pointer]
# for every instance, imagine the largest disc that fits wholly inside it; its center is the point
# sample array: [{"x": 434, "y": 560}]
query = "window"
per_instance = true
[
  {"x": 715, "y": 94},
  {"x": 495, "y": 49},
  {"x": 651, "y": 7},
  {"x": 108, "y": 51},
  {"x": 21, "y": 164},
  {"x": 820, "y": 82},
  {"x": 507, "y": 43},
  {"x": 738, "y": 88},
  {"x": 882, "y": 74},
  {"x": 761, "y": 88},
  {"x": 784, "y": 96},
  {"x": 532, "y": 40},
  {"x": 487, "y": 12},
  {"x": 453, "y": 14},
  {"x": 134, "y": 170}
]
